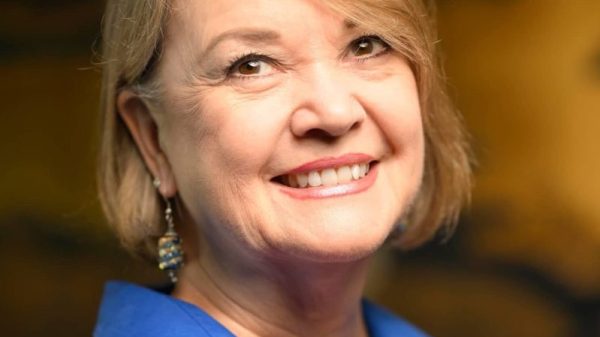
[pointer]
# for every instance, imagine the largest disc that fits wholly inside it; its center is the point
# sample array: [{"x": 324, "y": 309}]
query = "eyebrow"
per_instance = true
[{"x": 255, "y": 35}]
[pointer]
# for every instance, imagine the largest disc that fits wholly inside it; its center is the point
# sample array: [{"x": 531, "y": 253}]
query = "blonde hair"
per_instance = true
[{"x": 132, "y": 40}]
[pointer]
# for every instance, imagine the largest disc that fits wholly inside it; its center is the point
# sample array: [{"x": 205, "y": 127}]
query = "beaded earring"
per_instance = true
[{"x": 170, "y": 253}]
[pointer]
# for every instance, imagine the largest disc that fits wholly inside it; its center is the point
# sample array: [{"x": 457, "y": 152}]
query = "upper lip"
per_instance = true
[{"x": 332, "y": 162}]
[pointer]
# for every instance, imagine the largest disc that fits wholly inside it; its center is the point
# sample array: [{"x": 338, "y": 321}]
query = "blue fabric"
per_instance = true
[{"x": 134, "y": 311}]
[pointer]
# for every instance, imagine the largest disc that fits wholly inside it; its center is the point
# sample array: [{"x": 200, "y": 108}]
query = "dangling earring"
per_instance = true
[{"x": 170, "y": 254}]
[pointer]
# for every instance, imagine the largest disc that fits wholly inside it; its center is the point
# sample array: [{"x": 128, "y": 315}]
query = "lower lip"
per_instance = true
[{"x": 353, "y": 187}]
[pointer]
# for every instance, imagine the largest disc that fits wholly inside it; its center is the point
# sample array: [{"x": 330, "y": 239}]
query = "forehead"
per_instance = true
[
  {"x": 209, "y": 17},
  {"x": 195, "y": 24}
]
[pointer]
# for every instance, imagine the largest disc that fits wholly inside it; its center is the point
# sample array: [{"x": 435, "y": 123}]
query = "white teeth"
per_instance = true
[
  {"x": 355, "y": 171},
  {"x": 344, "y": 175},
  {"x": 327, "y": 177},
  {"x": 302, "y": 179},
  {"x": 314, "y": 179},
  {"x": 363, "y": 170}
]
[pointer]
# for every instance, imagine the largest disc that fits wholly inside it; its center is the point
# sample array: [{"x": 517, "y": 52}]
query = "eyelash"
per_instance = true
[{"x": 229, "y": 70}]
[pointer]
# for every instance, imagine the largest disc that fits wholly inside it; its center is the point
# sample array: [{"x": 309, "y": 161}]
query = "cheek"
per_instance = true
[
  {"x": 405, "y": 131},
  {"x": 395, "y": 108},
  {"x": 246, "y": 132},
  {"x": 228, "y": 137},
  {"x": 220, "y": 152}
]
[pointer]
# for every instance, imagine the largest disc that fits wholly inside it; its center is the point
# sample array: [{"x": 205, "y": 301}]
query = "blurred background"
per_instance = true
[{"x": 525, "y": 260}]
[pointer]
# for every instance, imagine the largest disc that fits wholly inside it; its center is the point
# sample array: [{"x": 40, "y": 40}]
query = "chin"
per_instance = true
[
  {"x": 334, "y": 246},
  {"x": 340, "y": 253},
  {"x": 343, "y": 254}
]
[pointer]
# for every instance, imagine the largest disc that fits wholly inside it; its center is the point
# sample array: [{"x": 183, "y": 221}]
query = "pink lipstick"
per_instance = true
[{"x": 330, "y": 176}]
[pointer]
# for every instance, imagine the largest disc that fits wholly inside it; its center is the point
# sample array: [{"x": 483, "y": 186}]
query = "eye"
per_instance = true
[
  {"x": 368, "y": 46},
  {"x": 251, "y": 65}
]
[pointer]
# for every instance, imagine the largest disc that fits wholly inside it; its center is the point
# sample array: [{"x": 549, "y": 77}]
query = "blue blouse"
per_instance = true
[{"x": 128, "y": 310}]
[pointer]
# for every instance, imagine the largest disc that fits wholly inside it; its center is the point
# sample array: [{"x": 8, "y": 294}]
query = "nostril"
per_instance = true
[
  {"x": 329, "y": 134},
  {"x": 325, "y": 120},
  {"x": 321, "y": 135}
]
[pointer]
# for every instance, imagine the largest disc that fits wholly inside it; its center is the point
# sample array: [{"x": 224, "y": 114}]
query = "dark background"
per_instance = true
[{"x": 525, "y": 260}]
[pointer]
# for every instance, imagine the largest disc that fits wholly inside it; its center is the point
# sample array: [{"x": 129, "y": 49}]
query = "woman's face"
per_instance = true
[{"x": 265, "y": 97}]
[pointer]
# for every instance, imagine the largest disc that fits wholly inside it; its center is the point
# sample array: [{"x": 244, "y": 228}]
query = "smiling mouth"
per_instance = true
[{"x": 326, "y": 177}]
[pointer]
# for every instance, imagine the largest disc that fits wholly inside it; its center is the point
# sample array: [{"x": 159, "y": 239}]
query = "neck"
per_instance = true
[{"x": 277, "y": 298}]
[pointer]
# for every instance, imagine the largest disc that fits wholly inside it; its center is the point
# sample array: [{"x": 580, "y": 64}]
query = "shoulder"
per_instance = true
[
  {"x": 134, "y": 311},
  {"x": 382, "y": 323}
]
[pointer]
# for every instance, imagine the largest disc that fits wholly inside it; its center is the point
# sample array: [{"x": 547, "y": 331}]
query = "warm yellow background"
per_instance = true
[{"x": 525, "y": 261}]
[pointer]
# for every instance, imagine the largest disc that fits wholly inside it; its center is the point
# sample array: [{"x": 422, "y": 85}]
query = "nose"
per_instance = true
[{"x": 327, "y": 105}]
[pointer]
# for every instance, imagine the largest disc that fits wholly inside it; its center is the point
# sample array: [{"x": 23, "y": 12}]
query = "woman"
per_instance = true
[{"x": 284, "y": 142}]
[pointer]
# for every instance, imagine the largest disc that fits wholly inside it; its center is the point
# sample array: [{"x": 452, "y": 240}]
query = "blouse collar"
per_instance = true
[{"x": 131, "y": 310}]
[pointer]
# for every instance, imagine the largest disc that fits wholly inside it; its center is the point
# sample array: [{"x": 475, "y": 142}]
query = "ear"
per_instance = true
[{"x": 144, "y": 130}]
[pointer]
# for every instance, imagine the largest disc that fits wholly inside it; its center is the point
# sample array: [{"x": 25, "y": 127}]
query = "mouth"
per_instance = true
[{"x": 327, "y": 176}]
